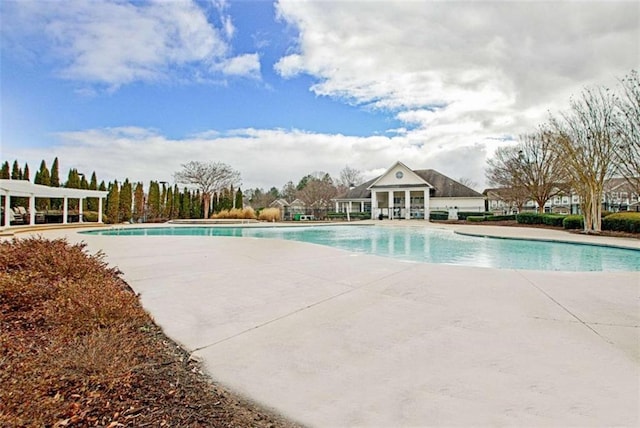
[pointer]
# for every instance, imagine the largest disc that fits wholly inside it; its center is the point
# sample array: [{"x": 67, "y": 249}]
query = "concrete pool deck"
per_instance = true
[{"x": 330, "y": 338}]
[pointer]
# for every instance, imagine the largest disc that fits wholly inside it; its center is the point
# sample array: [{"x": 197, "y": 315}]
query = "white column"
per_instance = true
[
  {"x": 426, "y": 205},
  {"x": 407, "y": 204},
  {"x": 32, "y": 210},
  {"x": 7, "y": 207},
  {"x": 80, "y": 210},
  {"x": 65, "y": 210},
  {"x": 374, "y": 205},
  {"x": 390, "y": 203},
  {"x": 100, "y": 209},
  {"x": 337, "y": 208},
  {"x": 361, "y": 206}
]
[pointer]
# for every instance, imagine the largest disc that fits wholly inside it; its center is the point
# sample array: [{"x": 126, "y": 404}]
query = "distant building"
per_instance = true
[
  {"x": 618, "y": 195},
  {"x": 403, "y": 193},
  {"x": 288, "y": 210}
]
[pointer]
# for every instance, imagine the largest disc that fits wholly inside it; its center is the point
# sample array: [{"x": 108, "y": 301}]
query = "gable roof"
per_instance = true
[
  {"x": 279, "y": 203},
  {"x": 443, "y": 187},
  {"x": 446, "y": 187},
  {"x": 411, "y": 180}
]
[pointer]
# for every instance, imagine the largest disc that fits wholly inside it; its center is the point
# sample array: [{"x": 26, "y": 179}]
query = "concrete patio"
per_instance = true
[{"x": 331, "y": 338}]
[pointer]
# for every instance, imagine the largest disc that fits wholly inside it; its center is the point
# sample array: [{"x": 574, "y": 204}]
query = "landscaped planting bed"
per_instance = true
[{"x": 77, "y": 349}]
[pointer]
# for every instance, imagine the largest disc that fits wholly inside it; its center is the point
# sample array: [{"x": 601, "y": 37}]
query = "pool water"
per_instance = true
[{"x": 427, "y": 245}]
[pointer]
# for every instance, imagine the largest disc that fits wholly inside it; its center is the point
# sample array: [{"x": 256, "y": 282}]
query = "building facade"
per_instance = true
[
  {"x": 403, "y": 193},
  {"x": 618, "y": 195}
]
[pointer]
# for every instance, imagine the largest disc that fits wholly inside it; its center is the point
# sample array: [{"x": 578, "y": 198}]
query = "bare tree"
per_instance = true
[
  {"x": 465, "y": 181},
  {"x": 584, "y": 139},
  {"x": 289, "y": 191},
  {"x": 513, "y": 197},
  {"x": 208, "y": 178},
  {"x": 318, "y": 193},
  {"x": 627, "y": 129},
  {"x": 531, "y": 167},
  {"x": 350, "y": 177}
]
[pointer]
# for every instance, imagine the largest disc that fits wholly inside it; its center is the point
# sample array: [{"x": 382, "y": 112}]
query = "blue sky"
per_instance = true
[{"x": 281, "y": 89}]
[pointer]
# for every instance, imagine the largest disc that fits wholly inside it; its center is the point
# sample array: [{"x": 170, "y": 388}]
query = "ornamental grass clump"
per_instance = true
[
  {"x": 236, "y": 213},
  {"x": 269, "y": 214}
]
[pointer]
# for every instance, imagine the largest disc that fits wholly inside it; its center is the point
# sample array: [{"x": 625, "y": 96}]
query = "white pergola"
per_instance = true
[{"x": 25, "y": 189}]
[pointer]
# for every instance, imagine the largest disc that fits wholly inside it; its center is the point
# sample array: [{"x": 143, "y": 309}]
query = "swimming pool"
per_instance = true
[{"x": 426, "y": 245}]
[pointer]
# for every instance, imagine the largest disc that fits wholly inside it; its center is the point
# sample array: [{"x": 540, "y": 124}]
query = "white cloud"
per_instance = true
[
  {"x": 247, "y": 65},
  {"x": 113, "y": 43},
  {"x": 459, "y": 74},
  {"x": 264, "y": 157}
]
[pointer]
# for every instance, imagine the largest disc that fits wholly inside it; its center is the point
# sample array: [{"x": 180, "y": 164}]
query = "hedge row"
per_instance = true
[
  {"x": 622, "y": 222},
  {"x": 479, "y": 218},
  {"x": 573, "y": 222},
  {"x": 439, "y": 215},
  {"x": 619, "y": 222},
  {"x": 462, "y": 215},
  {"x": 353, "y": 215},
  {"x": 536, "y": 218}
]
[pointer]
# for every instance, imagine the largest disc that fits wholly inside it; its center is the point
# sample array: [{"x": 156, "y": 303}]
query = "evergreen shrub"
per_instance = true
[
  {"x": 622, "y": 222},
  {"x": 499, "y": 217},
  {"x": 553, "y": 219},
  {"x": 476, "y": 218},
  {"x": 462, "y": 215},
  {"x": 529, "y": 218},
  {"x": 439, "y": 215},
  {"x": 571, "y": 222}
]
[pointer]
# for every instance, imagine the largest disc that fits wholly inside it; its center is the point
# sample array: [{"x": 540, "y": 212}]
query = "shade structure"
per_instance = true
[{"x": 25, "y": 189}]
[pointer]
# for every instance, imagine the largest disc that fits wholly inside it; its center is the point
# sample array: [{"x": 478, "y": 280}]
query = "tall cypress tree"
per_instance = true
[
  {"x": 73, "y": 182},
  {"x": 185, "y": 204},
  {"x": 153, "y": 203},
  {"x": 113, "y": 203},
  {"x": 196, "y": 205},
  {"x": 25, "y": 172},
  {"x": 84, "y": 184},
  {"x": 168, "y": 207},
  {"x": 238, "y": 201},
  {"x": 138, "y": 203},
  {"x": 5, "y": 172},
  {"x": 55, "y": 174},
  {"x": 126, "y": 199},
  {"x": 16, "y": 173},
  {"x": 102, "y": 187},
  {"x": 92, "y": 203},
  {"x": 93, "y": 184},
  {"x": 73, "y": 179},
  {"x": 163, "y": 201},
  {"x": 43, "y": 177},
  {"x": 176, "y": 202}
]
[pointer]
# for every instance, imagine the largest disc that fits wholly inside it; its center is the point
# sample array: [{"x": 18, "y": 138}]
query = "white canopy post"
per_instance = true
[
  {"x": 7, "y": 207},
  {"x": 99, "y": 210},
  {"x": 65, "y": 210},
  {"x": 32, "y": 209}
]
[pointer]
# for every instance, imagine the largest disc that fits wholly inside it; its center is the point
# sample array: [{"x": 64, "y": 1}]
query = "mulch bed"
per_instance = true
[
  {"x": 78, "y": 350},
  {"x": 513, "y": 223}
]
